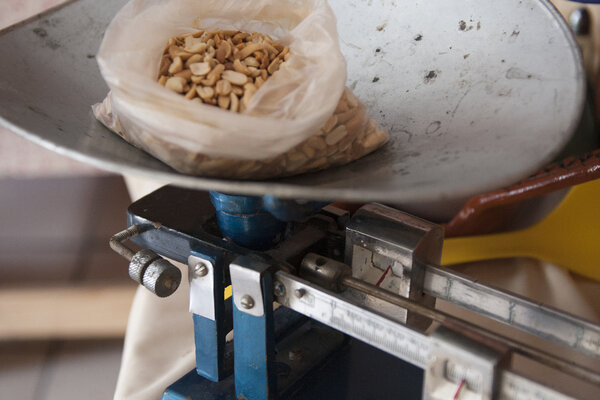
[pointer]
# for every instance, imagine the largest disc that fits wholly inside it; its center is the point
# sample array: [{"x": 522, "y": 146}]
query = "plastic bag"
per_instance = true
[{"x": 294, "y": 122}]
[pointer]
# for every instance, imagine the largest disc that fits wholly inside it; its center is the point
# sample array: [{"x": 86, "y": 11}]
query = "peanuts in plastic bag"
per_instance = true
[{"x": 301, "y": 119}]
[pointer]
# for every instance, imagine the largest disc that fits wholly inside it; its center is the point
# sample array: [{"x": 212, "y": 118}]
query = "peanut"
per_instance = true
[
  {"x": 251, "y": 62},
  {"x": 192, "y": 92},
  {"x": 236, "y": 78},
  {"x": 234, "y": 103},
  {"x": 330, "y": 124},
  {"x": 176, "y": 66},
  {"x": 176, "y": 84},
  {"x": 206, "y": 92},
  {"x": 223, "y": 51},
  {"x": 194, "y": 45},
  {"x": 223, "y": 88},
  {"x": 196, "y": 58},
  {"x": 185, "y": 74},
  {"x": 202, "y": 68},
  {"x": 223, "y": 102}
]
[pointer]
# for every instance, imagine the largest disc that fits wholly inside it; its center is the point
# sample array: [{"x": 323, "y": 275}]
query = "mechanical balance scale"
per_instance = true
[{"x": 356, "y": 291}]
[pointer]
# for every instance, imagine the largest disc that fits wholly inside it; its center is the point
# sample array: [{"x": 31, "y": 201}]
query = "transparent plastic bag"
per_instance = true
[{"x": 301, "y": 119}]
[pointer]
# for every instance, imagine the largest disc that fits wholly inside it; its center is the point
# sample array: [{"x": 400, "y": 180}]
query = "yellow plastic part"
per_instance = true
[{"x": 568, "y": 237}]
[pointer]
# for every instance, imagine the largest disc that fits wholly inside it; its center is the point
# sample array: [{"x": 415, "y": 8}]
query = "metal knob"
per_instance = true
[
  {"x": 146, "y": 267},
  {"x": 580, "y": 21},
  {"x": 154, "y": 272}
]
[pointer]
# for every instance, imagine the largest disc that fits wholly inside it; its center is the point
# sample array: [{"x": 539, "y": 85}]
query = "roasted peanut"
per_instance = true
[
  {"x": 223, "y": 51},
  {"x": 185, "y": 74},
  {"x": 223, "y": 68},
  {"x": 330, "y": 124},
  {"x": 251, "y": 62},
  {"x": 202, "y": 68},
  {"x": 234, "y": 104},
  {"x": 223, "y": 87},
  {"x": 194, "y": 45},
  {"x": 176, "y": 65},
  {"x": 236, "y": 78},
  {"x": 206, "y": 92},
  {"x": 223, "y": 102},
  {"x": 196, "y": 58},
  {"x": 241, "y": 67},
  {"x": 165, "y": 63},
  {"x": 176, "y": 84},
  {"x": 192, "y": 92}
]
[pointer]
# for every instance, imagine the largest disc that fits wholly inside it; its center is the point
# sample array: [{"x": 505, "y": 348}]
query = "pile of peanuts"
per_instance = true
[
  {"x": 223, "y": 68},
  {"x": 348, "y": 135}
]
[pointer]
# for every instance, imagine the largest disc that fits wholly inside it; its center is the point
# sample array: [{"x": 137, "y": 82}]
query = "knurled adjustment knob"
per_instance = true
[{"x": 154, "y": 272}]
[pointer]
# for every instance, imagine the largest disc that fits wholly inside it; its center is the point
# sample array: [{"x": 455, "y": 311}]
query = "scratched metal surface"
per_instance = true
[{"x": 475, "y": 95}]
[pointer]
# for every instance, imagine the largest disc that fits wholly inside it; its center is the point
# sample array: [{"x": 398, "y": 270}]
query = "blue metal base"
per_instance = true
[
  {"x": 358, "y": 372},
  {"x": 258, "y": 222}
]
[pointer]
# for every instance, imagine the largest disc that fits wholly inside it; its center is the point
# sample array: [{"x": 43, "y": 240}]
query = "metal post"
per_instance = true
[
  {"x": 253, "y": 326},
  {"x": 208, "y": 305}
]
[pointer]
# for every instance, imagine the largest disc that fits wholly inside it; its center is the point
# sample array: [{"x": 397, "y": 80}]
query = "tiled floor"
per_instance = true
[{"x": 55, "y": 232}]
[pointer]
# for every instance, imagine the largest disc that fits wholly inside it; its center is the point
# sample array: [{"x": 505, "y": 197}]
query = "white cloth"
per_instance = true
[{"x": 159, "y": 346}]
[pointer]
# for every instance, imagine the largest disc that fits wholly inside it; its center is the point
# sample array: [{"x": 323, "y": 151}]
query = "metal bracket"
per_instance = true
[
  {"x": 247, "y": 290},
  {"x": 389, "y": 248},
  {"x": 462, "y": 366},
  {"x": 202, "y": 286},
  {"x": 253, "y": 326}
]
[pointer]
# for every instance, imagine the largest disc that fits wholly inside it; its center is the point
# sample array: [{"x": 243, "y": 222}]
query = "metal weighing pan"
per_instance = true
[{"x": 476, "y": 95}]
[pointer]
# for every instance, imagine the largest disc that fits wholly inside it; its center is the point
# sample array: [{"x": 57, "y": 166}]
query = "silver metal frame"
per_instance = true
[{"x": 390, "y": 335}]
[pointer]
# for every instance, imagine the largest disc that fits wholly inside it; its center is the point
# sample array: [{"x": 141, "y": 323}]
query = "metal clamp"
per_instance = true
[
  {"x": 247, "y": 290},
  {"x": 146, "y": 267},
  {"x": 389, "y": 248},
  {"x": 463, "y": 365},
  {"x": 202, "y": 287}
]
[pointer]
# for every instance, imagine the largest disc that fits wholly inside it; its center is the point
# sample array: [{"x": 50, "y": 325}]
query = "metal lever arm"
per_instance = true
[
  {"x": 334, "y": 276},
  {"x": 146, "y": 267}
]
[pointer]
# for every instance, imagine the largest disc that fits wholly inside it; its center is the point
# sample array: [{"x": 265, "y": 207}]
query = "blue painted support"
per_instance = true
[
  {"x": 258, "y": 222},
  {"x": 243, "y": 220},
  {"x": 254, "y": 347},
  {"x": 291, "y": 210},
  {"x": 209, "y": 335}
]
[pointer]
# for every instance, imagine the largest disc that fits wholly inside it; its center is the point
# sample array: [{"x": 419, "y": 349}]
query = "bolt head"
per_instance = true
[
  {"x": 299, "y": 293},
  {"x": 200, "y": 270},
  {"x": 247, "y": 302},
  {"x": 295, "y": 355},
  {"x": 278, "y": 289},
  {"x": 580, "y": 21}
]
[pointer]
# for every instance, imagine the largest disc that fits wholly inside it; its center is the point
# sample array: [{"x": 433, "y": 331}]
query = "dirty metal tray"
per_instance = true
[{"x": 476, "y": 95}]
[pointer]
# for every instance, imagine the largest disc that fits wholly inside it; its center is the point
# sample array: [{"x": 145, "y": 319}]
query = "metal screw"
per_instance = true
[
  {"x": 170, "y": 284},
  {"x": 295, "y": 354},
  {"x": 247, "y": 302},
  {"x": 580, "y": 21},
  {"x": 200, "y": 270},
  {"x": 299, "y": 293},
  {"x": 278, "y": 289}
]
